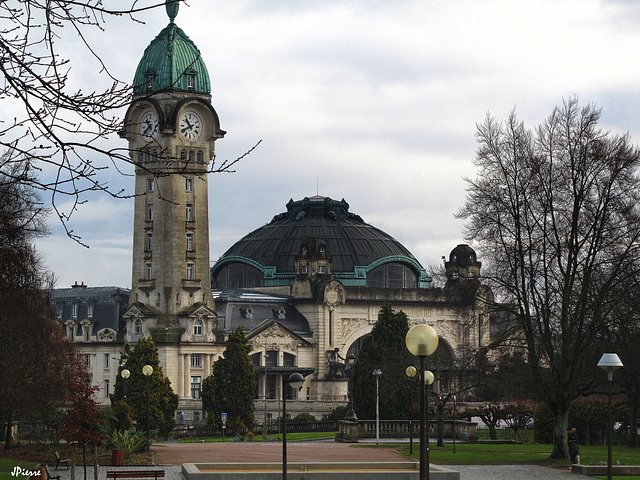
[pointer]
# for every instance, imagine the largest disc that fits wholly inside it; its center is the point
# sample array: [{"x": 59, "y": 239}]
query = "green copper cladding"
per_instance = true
[
  {"x": 171, "y": 62},
  {"x": 172, "y": 7}
]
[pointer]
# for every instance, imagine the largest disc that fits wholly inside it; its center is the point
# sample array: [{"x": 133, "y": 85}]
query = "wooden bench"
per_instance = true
[
  {"x": 49, "y": 476},
  {"x": 116, "y": 474},
  {"x": 61, "y": 461}
]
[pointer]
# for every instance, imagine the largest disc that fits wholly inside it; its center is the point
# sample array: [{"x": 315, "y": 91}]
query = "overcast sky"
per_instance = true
[{"x": 372, "y": 101}]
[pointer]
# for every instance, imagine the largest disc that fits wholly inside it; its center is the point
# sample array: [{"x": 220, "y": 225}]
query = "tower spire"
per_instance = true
[{"x": 172, "y": 7}]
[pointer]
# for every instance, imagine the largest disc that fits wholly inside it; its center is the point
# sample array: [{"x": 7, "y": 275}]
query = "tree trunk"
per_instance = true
[
  {"x": 440, "y": 425},
  {"x": 7, "y": 436},
  {"x": 559, "y": 447}
]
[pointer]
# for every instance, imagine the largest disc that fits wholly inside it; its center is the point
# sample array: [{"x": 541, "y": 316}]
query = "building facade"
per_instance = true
[{"x": 307, "y": 286}]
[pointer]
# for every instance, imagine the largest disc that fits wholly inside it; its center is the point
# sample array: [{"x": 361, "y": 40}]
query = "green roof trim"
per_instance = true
[
  {"x": 171, "y": 62},
  {"x": 357, "y": 278}
]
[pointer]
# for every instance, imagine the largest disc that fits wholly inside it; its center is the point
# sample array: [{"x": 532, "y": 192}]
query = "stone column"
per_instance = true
[{"x": 186, "y": 392}]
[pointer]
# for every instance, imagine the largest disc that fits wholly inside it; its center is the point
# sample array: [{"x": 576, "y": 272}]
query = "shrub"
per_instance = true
[
  {"x": 129, "y": 441},
  {"x": 304, "y": 418},
  {"x": 543, "y": 424}
]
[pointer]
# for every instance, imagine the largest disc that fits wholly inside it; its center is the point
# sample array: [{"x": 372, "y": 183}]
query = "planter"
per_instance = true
[{"x": 117, "y": 457}]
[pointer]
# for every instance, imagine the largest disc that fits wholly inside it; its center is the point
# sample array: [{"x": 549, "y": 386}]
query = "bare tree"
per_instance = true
[
  {"x": 52, "y": 125},
  {"x": 555, "y": 215},
  {"x": 35, "y": 359}
]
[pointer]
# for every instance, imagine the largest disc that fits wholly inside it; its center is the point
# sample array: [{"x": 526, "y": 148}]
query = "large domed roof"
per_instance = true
[
  {"x": 171, "y": 62},
  {"x": 355, "y": 246}
]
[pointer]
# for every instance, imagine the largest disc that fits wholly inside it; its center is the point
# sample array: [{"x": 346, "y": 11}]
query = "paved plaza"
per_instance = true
[{"x": 170, "y": 457}]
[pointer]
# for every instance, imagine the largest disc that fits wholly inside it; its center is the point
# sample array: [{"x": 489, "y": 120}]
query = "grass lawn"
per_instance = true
[
  {"x": 526, "y": 454},
  {"x": 8, "y": 464}
]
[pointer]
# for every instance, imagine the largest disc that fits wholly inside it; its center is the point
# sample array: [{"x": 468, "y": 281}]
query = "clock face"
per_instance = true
[
  {"x": 149, "y": 125},
  {"x": 190, "y": 126}
]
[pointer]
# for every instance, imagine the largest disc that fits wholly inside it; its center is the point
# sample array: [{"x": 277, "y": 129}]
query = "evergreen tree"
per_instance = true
[
  {"x": 162, "y": 401},
  {"x": 231, "y": 387},
  {"x": 385, "y": 349}
]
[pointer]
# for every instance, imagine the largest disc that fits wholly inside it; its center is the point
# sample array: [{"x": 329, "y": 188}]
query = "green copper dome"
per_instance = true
[{"x": 171, "y": 62}]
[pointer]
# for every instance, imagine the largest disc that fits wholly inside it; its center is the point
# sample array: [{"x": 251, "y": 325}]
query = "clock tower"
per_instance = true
[{"x": 171, "y": 128}]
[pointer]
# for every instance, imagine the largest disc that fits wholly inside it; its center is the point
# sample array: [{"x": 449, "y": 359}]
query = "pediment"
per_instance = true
[{"x": 275, "y": 335}]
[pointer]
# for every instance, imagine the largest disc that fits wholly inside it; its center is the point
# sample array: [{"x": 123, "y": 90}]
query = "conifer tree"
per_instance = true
[
  {"x": 163, "y": 402},
  {"x": 385, "y": 349},
  {"x": 231, "y": 387}
]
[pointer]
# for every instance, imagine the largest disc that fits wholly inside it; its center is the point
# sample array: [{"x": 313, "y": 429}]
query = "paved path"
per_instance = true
[{"x": 171, "y": 456}]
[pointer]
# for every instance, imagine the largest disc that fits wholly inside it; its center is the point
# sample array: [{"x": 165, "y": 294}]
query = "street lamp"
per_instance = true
[
  {"x": 411, "y": 372},
  {"x": 422, "y": 341},
  {"x": 266, "y": 431},
  {"x": 610, "y": 362},
  {"x": 147, "y": 370},
  {"x": 124, "y": 374},
  {"x": 295, "y": 381},
  {"x": 351, "y": 414},
  {"x": 377, "y": 374}
]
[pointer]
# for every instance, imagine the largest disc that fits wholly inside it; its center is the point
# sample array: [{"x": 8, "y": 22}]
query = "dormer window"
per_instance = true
[
  {"x": 148, "y": 80},
  {"x": 191, "y": 80},
  {"x": 197, "y": 327}
]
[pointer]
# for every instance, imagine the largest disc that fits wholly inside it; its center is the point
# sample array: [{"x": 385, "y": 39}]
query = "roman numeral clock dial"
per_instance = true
[{"x": 190, "y": 126}]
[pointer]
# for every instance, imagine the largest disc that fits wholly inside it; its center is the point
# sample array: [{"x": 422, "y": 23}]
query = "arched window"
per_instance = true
[
  {"x": 392, "y": 275},
  {"x": 238, "y": 275},
  {"x": 200, "y": 156},
  {"x": 137, "y": 327},
  {"x": 197, "y": 327}
]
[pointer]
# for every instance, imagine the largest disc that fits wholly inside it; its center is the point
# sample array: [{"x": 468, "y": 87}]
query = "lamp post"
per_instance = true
[
  {"x": 610, "y": 362},
  {"x": 295, "y": 381},
  {"x": 266, "y": 431},
  {"x": 147, "y": 370},
  {"x": 124, "y": 374},
  {"x": 351, "y": 414},
  {"x": 411, "y": 372},
  {"x": 377, "y": 373},
  {"x": 422, "y": 341}
]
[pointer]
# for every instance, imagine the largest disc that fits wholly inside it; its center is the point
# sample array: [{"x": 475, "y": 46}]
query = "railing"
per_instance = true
[
  {"x": 272, "y": 428},
  {"x": 352, "y": 431}
]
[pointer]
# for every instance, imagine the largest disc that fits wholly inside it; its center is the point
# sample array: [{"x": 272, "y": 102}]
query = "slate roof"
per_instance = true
[
  {"x": 109, "y": 303},
  {"x": 350, "y": 241},
  {"x": 252, "y": 309}
]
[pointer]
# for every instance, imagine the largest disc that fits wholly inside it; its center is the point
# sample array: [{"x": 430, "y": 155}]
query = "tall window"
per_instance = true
[
  {"x": 189, "y": 212},
  {"x": 191, "y": 271},
  {"x": 87, "y": 360},
  {"x": 87, "y": 333},
  {"x": 107, "y": 360},
  {"x": 197, "y": 329},
  {"x": 151, "y": 184},
  {"x": 200, "y": 156},
  {"x": 196, "y": 360},
  {"x": 189, "y": 242},
  {"x": 149, "y": 244},
  {"x": 137, "y": 327},
  {"x": 188, "y": 184},
  {"x": 150, "y": 212},
  {"x": 90, "y": 310},
  {"x": 106, "y": 389},
  {"x": 147, "y": 271},
  {"x": 195, "y": 388},
  {"x": 75, "y": 310}
]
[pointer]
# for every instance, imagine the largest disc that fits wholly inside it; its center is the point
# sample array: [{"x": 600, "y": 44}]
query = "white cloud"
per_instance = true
[{"x": 373, "y": 101}]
